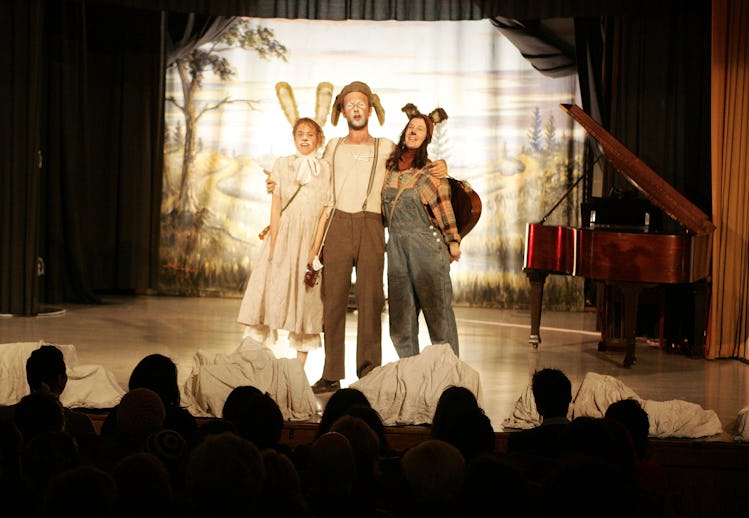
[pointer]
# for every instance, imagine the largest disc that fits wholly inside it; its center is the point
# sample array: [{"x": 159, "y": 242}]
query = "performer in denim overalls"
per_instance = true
[{"x": 423, "y": 240}]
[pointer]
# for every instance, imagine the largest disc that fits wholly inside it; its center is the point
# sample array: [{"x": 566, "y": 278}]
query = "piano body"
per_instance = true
[{"x": 627, "y": 260}]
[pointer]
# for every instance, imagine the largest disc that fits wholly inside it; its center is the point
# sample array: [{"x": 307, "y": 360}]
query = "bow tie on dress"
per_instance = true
[{"x": 306, "y": 167}]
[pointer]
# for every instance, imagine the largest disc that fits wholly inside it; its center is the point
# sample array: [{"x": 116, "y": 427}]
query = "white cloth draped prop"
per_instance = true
[
  {"x": 306, "y": 167},
  {"x": 89, "y": 386},
  {"x": 742, "y": 425},
  {"x": 214, "y": 376},
  {"x": 674, "y": 418},
  {"x": 406, "y": 392}
]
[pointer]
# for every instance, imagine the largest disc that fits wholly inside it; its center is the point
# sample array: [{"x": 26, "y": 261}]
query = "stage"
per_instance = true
[{"x": 124, "y": 329}]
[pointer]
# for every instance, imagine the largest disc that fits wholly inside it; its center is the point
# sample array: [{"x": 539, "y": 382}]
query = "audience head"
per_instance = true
[
  {"x": 37, "y": 413},
  {"x": 238, "y": 399},
  {"x": 634, "y": 418},
  {"x": 282, "y": 490},
  {"x": 598, "y": 438},
  {"x": 158, "y": 373},
  {"x": 140, "y": 413},
  {"x": 47, "y": 455},
  {"x": 171, "y": 449},
  {"x": 434, "y": 470},
  {"x": 212, "y": 427},
  {"x": 460, "y": 421},
  {"x": 143, "y": 485},
  {"x": 45, "y": 370},
  {"x": 338, "y": 405},
  {"x": 552, "y": 393},
  {"x": 364, "y": 443},
  {"x": 331, "y": 466},
  {"x": 256, "y": 415},
  {"x": 83, "y": 492},
  {"x": 10, "y": 451},
  {"x": 490, "y": 479},
  {"x": 454, "y": 403},
  {"x": 373, "y": 419},
  {"x": 605, "y": 488},
  {"x": 225, "y": 476}
]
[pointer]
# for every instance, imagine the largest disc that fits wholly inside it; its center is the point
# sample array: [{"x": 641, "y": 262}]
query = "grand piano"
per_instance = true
[{"x": 629, "y": 260}]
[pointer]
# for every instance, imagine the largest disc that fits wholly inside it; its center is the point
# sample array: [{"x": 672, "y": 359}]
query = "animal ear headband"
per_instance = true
[
  {"x": 288, "y": 103},
  {"x": 357, "y": 86},
  {"x": 436, "y": 116}
]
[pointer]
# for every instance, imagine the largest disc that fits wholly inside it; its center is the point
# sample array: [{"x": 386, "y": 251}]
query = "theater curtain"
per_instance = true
[
  {"x": 729, "y": 330},
  {"x": 20, "y": 87},
  {"x": 82, "y": 138}
]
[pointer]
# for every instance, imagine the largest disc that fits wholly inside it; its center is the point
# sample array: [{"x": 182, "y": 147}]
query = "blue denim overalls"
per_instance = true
[{"x": 418, "y": 271}]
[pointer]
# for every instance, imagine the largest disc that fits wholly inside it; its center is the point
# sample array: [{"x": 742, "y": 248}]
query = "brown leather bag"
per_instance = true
[{"x": 466, "y": 205}]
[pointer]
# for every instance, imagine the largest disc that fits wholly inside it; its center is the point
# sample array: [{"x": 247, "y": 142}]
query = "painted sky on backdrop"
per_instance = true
[{"x": 487, "y": 88}]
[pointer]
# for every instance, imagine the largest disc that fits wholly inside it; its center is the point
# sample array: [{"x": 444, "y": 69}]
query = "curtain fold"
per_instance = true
[
  {"x": 187, "y": 31},
  {"x": 21, "y": 75},
  {"x": 424, "y": 10},
  {"x": 543, "y": 49},
  {"x": 729, "y": 329},
  {"x": 657, "y": 90},
  {"x": 414, "y": 10},
  {"x": 65, "y": 148},
  {"x": 103, "y": 145}
]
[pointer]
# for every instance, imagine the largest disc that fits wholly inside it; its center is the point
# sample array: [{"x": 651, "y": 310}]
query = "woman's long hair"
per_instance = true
[
  {"x": 158, "y": 373},
  {"x": 421, "y": 158}
]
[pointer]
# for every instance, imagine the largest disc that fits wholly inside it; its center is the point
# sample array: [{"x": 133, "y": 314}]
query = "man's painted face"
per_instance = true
[
  {"x": 305, "y": 138},
  {"x": 356, "y": 110},
  {"x": 416, "y": 132}
]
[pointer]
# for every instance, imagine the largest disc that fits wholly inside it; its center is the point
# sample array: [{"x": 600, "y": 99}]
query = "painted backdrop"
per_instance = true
[{"x": 506, "y": 135}]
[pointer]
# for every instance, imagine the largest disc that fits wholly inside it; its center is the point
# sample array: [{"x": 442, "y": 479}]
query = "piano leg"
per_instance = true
[
  {"x": 537, "y": 279},
  {"x": 630, "y": 294}
]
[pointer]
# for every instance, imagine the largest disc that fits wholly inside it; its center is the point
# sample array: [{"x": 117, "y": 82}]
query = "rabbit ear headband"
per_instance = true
[{"x": 288, "y": 103}]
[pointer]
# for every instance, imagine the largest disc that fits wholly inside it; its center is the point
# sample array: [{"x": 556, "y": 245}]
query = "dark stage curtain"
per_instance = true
[
  {"x": 656, "y": 92},
  {"x": 84, "y": 86},
  {"x": 65, "y": 146},
  {"x": 20, "y": 89},
  {"x": 121, "y": 181}
]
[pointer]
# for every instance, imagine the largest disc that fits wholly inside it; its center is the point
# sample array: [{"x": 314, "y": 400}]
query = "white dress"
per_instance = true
[{"x": 276, "y": 296}]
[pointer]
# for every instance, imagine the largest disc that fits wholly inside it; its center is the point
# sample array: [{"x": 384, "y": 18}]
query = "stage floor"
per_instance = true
[{"x": 124, "y": 329}]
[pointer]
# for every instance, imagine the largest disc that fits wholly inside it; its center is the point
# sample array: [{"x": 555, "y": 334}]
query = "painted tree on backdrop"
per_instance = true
[{"x": 192, "y": 69}]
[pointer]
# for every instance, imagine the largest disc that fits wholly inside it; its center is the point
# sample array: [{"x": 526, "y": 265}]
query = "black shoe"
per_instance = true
[{"x": 322, "y": 386}]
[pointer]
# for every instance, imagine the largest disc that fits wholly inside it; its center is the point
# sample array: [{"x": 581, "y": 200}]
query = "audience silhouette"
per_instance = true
[
  {"x": 651, "y": 476},
  {"x": 460, "y": 421},
  {"x": 552, "y": 394},
  {"x": 237, "y": 465},
  {"x": 159, "y": 374},
  {"x": 46, "y": 372},
  {"x": 256, "y": 416}
]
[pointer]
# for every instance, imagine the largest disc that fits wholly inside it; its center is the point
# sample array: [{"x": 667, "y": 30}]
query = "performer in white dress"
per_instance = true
[{"x": 276, "y": 296}]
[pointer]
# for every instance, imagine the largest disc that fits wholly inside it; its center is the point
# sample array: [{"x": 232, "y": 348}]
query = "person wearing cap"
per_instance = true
[
  {"x": 423, "y": 239},
  {"x": 355, "y": 236}
]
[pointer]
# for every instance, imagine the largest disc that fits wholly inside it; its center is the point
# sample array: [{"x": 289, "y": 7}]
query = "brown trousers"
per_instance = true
[{"x": 355, "y": 240}]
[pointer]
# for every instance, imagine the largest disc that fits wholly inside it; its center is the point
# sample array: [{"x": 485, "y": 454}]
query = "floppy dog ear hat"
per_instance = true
[{"x": 357, "y": 86}]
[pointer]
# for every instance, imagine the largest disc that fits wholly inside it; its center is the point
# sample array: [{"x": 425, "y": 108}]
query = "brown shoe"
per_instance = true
[{"x": 322, "y": 386}]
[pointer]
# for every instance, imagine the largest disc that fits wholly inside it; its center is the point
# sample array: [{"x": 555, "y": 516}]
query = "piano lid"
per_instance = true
[{"x": 647, "y": 181}]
